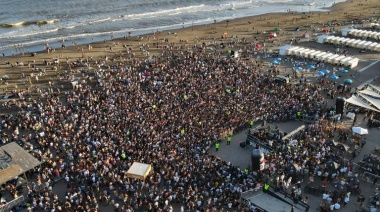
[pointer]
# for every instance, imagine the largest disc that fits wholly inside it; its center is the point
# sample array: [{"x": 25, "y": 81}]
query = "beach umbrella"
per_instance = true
[
  {"x": 320, "y": 73},
  {"x": 348, "y": 81},
  {"x": 274, "y": 62},
  {"x": 334, "y": 77},
  {"x": 297, "y": 68},
  {"x": 359, "y": 130},
  {"x": 277, "y": 29},
  {"x": 344, "y": 71},
  {"x": 310, "y": 66},
  {"x": 278, "y": 59},
  {"x": 326, "y": 71}
]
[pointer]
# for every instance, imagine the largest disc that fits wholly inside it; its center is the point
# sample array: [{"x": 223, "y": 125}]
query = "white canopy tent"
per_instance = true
[
  {"x": 319, "y": 55},
  {"x": 321, "y": 38},
  {"x": 338, "y": 59},
  {"x": 345, "y": 31},
  {"x": 345, "y": 59},
  {"x": 354, "y": 43},
  {"x": 368, "y": 91},
  {"x": 364, "y": 33},
  {"x": 352, "y": 63},
  {"x": 330, "y": 59},
  {"x": 306, "y": 53},
  {"x": 375, "y": 25},
  {"x": 358, "y": 102},
  {"x": 284, "y": 49},
  {"x": 300, "y": 53},
  {"x": 361, "y": 44},
  {"x": 324, "y": 57},
  {"x": 373, "y": 101},
  {"x": 292, "y": 50},
  {"x": 351, "y": 42},
  {"x": 139, "y": 171},
  {"x": 375, "y": 88},
  {"x": 313, "y": 54}
]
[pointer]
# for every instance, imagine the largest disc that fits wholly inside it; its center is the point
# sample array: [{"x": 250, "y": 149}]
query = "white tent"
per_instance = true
[
  {"x": 314, "y": 54},
  {"x": 377, "y": 47},
  {"x": 373, "y": 101},
  {"x": 319, "y": 55},
  {"x": 364, "y": 33},
  {"x": 324, "y": 57},
  {"x": 292, "y": 50},
  {"x": 345, "y": 31},
  {"x": 329, "y": 39},
  {"x": 358, "y": 102},
  {"x": 321, "y": 38},
  {"x": 345, "y": 60},
  {"x": 300, "y": 53},
  {"x": 352, "y": 63},
  {"x": 372, "y": 46},
  {"x": 345, "y": 41},
  {"x": 139, "y": 171},
  {"x": 306, "y": 53},
  {"x": 350, "y": 42},
  {"x": 375, "y": 25},
  {"x": 339, "y": 40},
  {"x": 338, "y": 59},
  {"x": 368, "y": 91},
  {"x": 296, "y": 51},
  {"x": 375, "y": 88},
  {"x": 354, "y": 43},
  {"x": 330, "y": 59},
  {"x": 366, "y": 45},
  {"x": 284, "y": 49},
  {"x": 361, "y": 44}
]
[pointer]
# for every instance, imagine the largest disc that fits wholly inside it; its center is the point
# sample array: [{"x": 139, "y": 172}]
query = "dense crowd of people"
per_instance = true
[{"x": 165, "y": 111}]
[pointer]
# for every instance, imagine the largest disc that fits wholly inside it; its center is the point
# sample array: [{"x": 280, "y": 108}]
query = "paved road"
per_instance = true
[{"x": 369, "y": 72}]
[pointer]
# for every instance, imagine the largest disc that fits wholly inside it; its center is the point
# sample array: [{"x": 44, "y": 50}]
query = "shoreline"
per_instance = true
[
  {"x": 191, "y": 65},
  {"x": 86, "y": 40}
]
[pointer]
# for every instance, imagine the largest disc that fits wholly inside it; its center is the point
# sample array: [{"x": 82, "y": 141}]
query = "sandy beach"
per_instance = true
[
  {"x": 119, "y": 107},
  {"x": 248, "y": 31}
]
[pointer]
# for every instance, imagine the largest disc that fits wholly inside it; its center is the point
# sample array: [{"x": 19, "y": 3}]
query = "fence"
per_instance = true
[
  {"x": 245, "y": 197},
  {"x": 7, "y": 207}
]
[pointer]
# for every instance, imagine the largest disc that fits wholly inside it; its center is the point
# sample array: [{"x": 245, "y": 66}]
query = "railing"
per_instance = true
[
  {"x": 368, "y": 175},
  {"x": 7, "y": 207},
  {"x": 244, "y": 196}
]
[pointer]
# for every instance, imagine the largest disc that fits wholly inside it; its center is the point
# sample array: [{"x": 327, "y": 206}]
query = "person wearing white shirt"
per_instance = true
[
  {"x": 332, "y": 206},
  {"x": 325, "y": 196},
  {"x": 337, "y": 206},
  {"x": 346, "y": 200}
]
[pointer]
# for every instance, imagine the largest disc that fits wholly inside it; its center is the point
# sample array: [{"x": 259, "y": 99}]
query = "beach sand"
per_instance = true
[{"x": 249, "y": 30}]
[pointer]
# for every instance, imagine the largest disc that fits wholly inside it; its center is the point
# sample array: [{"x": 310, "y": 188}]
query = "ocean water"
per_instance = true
[{"x": 27, "y": 25}]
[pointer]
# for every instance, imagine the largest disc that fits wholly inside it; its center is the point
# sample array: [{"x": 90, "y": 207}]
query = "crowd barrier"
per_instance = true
[{"x": 11, "y": 204}]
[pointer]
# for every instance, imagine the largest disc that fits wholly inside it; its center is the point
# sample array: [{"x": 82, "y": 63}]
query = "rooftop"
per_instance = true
[{"x": 14, "y": 161}]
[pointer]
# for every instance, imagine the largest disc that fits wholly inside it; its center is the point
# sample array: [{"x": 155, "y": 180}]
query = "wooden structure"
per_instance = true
[
  {"x": 14, "y": 161},
  {"x": 139, "y": 171}
]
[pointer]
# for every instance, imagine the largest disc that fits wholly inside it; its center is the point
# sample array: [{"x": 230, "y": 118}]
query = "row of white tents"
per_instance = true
[
  {"x": 362, "y": 44},
  {"x": 319, "y": 55},
  {"x": 368, "y": 98},
  {"x": 360, "y": 33}
]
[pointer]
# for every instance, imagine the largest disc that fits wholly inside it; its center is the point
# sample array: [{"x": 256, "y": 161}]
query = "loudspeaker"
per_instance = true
[
  {"x": 339, "y": 105},
  {"x": 257, "y": 159}
]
